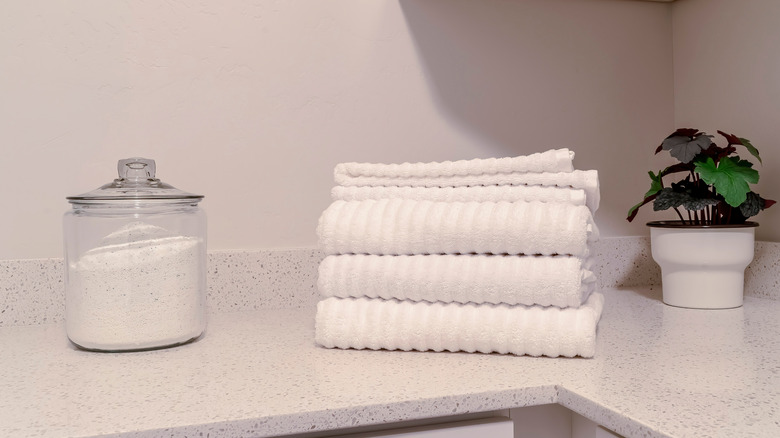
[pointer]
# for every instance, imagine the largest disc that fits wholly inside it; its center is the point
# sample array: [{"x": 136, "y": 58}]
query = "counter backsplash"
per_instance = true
[{"x": 31, "y": 291}]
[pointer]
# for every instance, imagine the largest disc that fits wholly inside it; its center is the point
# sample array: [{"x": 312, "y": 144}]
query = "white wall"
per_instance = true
[
  {"x": 252, "y": 103},
  {"x": 727, "y": 77}
]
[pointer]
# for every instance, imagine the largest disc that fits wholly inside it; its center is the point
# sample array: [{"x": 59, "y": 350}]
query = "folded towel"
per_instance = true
[
  {"x": 554, "y": 160},
  {"x": 587, "y": 180},
  {"x": 561, "y": 281},
  {"x": 463, "y": 194},
  {"x": 404, "y": 226},
  {"x": 405, "y": 325}
]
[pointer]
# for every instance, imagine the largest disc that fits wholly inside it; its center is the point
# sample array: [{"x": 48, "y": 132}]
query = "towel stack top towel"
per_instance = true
[
  {"x": 550, "y": 169},
  {"x": 556, "y": 160}
]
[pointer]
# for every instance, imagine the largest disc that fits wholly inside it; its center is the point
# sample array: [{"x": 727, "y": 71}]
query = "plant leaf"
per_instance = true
[
  {"x": 731, "y": 138},
  {"x": 751, "y": 206},
  {"x": 668, "y": 198},
  {"x": 752, "y": 149},
  {"x": 674, "y": 140},
  {"x": 716, "y": 152},
  {"x": 635, "y": 209},
  {"x": 675, "y": 168},
  {"x": 655, "y": 185},
  {"x": 704, "y": 141},
  {"x": 729, "y": 178},
  {"x": 671, "y": 198},
  {"x": 686, "y": 132},
  {"x": 684, "y": 148}
]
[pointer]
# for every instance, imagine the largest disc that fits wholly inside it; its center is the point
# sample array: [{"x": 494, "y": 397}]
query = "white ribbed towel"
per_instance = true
[
  {"x": 404, "y": 226},
  {"x": 554, "y": 160},
  {"x": 561, "y": 281},
  {"x": 587, "y": 180},
  {"x": 375, "y": 324},
  {"x": 463, "y": 194}
]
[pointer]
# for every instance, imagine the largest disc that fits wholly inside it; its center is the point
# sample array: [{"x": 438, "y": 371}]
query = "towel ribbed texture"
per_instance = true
[
  {"x": 405, "y": 226},
  {"x": 560, "y": 281},
  {"x": 485, "y": 255},
  {"x": 486, "y": 328},
  {"x": 586, "y": 180},
  {"x": 464, "y": 194}
]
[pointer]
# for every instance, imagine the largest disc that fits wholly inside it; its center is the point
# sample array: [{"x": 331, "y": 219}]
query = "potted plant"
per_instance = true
[{"x": 703, "y": 254}]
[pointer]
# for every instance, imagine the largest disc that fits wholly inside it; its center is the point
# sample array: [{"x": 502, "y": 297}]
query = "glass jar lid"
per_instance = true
[{"x": 136, "y": 182}]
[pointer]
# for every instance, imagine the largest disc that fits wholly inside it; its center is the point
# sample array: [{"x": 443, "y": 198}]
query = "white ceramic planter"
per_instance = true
[{"x": 702, "y": 267}]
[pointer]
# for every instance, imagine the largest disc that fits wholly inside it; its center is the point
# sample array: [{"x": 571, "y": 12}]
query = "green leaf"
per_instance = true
[
  {"x": 743, "y": 163},
  {"x": 729, "y": 178},
  {"x": 752, "y": 149},
  {"x": 656, "y": 185},
  {"x": 633, "y": 210}
]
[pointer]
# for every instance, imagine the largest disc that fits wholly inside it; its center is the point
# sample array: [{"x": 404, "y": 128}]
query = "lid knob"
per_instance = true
[{"x": 136, "y": 168}]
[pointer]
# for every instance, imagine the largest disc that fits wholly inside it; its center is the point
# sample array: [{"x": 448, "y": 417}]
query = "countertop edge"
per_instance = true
[{"x": 326, "y": 421}]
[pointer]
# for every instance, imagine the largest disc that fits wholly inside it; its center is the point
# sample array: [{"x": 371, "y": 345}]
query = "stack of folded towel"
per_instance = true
[{"x": 488, "y": 255}]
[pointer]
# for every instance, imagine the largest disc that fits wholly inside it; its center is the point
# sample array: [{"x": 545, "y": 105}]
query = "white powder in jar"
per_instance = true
[{"x": 140, "y": 288}]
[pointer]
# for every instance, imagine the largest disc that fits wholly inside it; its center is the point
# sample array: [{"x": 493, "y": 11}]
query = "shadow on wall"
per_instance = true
[
  {"x": 514, "y": 72},
  {"x": 522, "y": 76}
]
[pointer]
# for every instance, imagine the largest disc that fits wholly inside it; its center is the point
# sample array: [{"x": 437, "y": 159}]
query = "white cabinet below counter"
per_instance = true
[
  {"x": 542, "y": 421},
  {"x": 493, "y": 427}
]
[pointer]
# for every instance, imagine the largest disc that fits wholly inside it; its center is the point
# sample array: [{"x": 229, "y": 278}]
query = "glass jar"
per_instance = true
[{"x": 135, "y": 263}]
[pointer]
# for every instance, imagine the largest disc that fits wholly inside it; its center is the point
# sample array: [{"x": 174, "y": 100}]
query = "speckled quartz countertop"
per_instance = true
[{"x": 659, "y": 371}]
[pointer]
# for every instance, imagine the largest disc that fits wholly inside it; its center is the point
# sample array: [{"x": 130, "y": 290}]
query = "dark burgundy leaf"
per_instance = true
[
  {"x": 731, "y": 138},
  {"x": 688, "y": 132},
  {"x": 716, "y": 152},
  {"x": 636, "y": 210},
  {"x": 675, "y": 168}
]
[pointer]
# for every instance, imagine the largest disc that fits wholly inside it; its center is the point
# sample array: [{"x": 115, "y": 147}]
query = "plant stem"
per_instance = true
[{"x": 679, "y": 214}]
